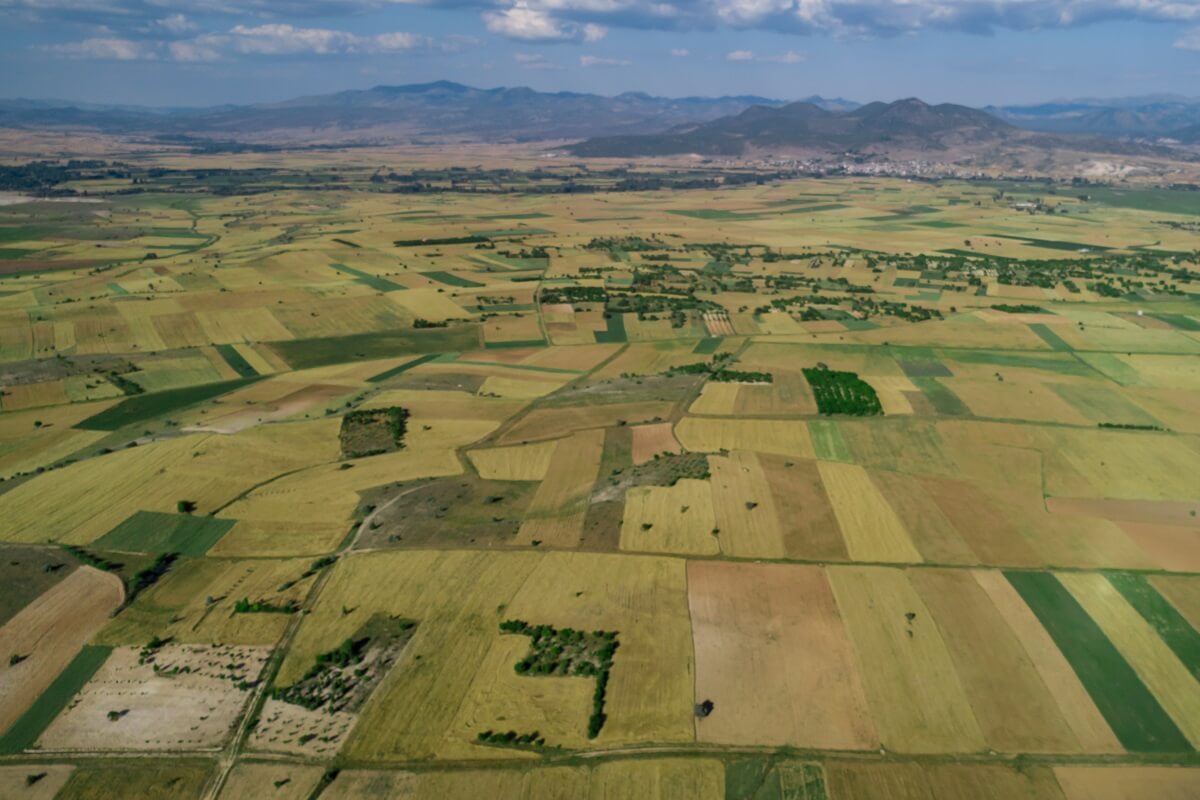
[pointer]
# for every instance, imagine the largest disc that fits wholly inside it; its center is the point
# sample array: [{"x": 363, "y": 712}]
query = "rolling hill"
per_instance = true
[
  {"x": 909, "y": 123},
  {"x": 441, "y": 109}
]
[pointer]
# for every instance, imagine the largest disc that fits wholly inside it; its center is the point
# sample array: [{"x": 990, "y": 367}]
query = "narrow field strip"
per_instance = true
[{"x": 1139, "y": 721}]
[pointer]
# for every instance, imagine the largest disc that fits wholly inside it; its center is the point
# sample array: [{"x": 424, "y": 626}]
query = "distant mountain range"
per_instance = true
[
  {"x": 441, "y": 109},
  {"x": 908, "y": 123},
  {"x": 633, "y": 123},
  {"x": 1150, "y": 116}
]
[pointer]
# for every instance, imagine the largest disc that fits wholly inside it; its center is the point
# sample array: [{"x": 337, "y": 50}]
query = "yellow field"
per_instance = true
[
  {"x": 914, "y": 691},
  {"x": 746, "y": 517},
  {"x": 419, "y": 708},
  {"x": 670, "y": 519},
  {"x": 762, "y": 436},
  {"x": 872, "y": 530},
  {"x": 558, "y": 509},
  {"x": 178, "y": 606},
  {"x": 717, "y": 399},
  {"x": 518, "y": 463}
]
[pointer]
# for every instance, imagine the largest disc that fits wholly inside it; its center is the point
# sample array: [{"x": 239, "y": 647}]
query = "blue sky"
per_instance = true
[{"x": 194, "y": 52}]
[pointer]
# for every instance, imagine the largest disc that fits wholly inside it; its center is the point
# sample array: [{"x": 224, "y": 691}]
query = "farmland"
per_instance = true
[{"x": 769, "y": 486}]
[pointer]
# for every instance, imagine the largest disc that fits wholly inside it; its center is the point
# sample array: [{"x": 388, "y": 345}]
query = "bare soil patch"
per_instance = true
[
  {"x": 174, "y": 697},
  {"x": 654, "y": 440}
]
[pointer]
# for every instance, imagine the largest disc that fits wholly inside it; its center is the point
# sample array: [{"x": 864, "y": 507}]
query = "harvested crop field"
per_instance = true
[
  {"x": 915, "y": 694},
  {"x": 653, "y": 440},
  {"x": 33, "y": 781},
  {"x": 274, "y": 781},
  {"x": 773, "y": 656},
  {"x": 41, "y": 640},
  {"x": 1128, "y": 782}
]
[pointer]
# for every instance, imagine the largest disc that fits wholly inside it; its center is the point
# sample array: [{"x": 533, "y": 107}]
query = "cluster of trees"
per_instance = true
[
  {"x": 739, "y": 376},
  {"x": 143, "y": 579},
  {"x": 245, "y": 606},
  {"x": 574, "y": 294},
  {"x": 93, "y": 560},
  {"x": 394, "y": 417},
  {"x": 1019, "y": 308},
  {"x": 472, "y": 239},
  {"x": 569, "y": 652},
  {"x": 628, "y": 244},
  {"x": 512, "y": 738},
  {"x": 42, "y": 176},
  {"x": 149, "y": 649},
  {"x": 329, "y": 680},
  {"x": 1130, "y": 426},
  {"x": 842, "y": 392},
  {"x": 526, "y": 252}
]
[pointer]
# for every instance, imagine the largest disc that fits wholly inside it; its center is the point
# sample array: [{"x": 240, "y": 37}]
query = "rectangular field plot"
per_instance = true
[
  {"x": 915, "y": 694},
  {"x": 156, "y": 532},
  {"x": 773, "y": 656}
]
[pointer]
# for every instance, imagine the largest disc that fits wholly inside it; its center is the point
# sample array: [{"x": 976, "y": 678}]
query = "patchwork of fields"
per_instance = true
[{"x": 809, "y": 489}]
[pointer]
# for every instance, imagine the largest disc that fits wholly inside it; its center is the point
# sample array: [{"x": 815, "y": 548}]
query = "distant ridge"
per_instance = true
[
  {"x": 802, "y": 125},
  {"x": 441, "y": 109},
  {"x": 1147, "y": 116}
]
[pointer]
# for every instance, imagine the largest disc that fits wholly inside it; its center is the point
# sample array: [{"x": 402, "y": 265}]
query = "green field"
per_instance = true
[
  {"x": 1135, "y": 716},
  {"x": 367, "y": 279},
  {"x": 143, "y": 407},
  {"x": 307, "y": 353},
  {"x": 157, "y": 532},
  {"x": 451, "y": 279}
]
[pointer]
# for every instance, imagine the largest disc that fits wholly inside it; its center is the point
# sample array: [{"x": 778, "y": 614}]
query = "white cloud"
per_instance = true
[
  {"x": 104, "y": 49},
  {"x": 680, "y": 52},
  {"x": 567, "y": 19},
  {"x": 523, "y": 22},
  {"x": 536, "y": 23},
  {"x": 282, "y": 39},
  {"x": 561, "y": 20},
  {"x": 260, "y": 40},
  {"x": 597, "y": 61},
  {"x": 1190, "y": 40},
  {"x": 790, "y": 57}
]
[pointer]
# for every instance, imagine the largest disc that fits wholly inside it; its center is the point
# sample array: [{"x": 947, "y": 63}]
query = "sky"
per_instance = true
[{"x": 977, "y": 52}]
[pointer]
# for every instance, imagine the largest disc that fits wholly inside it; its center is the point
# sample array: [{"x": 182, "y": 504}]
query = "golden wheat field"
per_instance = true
[{"x": 803, "y": 488}]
